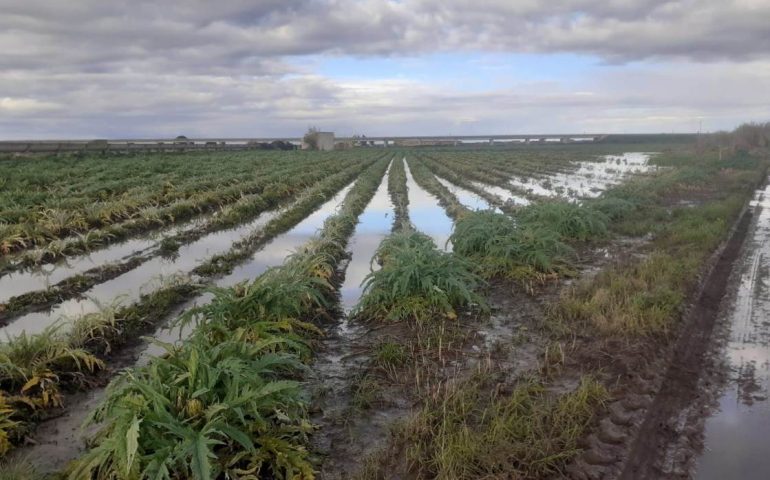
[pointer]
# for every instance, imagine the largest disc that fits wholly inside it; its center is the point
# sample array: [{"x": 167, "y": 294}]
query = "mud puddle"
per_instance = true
[
  {"x": 735, "y": 444},
  {"x": 665, "y": 433},
  {"x": 589, "y": 179},
  {"x": 426, "y": 214}
]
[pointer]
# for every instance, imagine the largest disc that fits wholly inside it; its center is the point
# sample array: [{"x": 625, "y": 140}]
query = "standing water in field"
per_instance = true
[
  {"x": 466, "y": 198},
  {"x": 43, "y": 276},
  {"x": 275, "y": 252},
  {"x": 589, "y": 179},
  {"x": 506, "y": 195},
  {"x": 426, "y": 214},
  {"x": 63, "y": 440},
  {"x": 270, "y": 255},
  {"x": 373, "y": 226},
  {"x": 128, "y": 287},
  {"x": 736, "y": 434}
]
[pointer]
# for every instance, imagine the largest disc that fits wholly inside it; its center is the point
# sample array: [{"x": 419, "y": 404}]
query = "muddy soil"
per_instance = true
[
  {"x": 358, "y": 402},
  {"x": 651, "y": 383}
]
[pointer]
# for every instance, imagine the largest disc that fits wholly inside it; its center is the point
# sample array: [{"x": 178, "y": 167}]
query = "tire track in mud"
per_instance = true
[{"x": 680, "y": 384}]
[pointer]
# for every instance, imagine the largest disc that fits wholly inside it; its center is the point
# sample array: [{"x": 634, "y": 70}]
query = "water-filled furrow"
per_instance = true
[
  {"x": 467, "y": 198},
  {"x": 128, "y": 287},
  {"x": 64, "y": 436},
  {"x": 736, "y": 433},
  {"x": 426, "y": 214},
  {"x": 43, "y": 276},
  {"x": 374, "y": 224},
  {"x": 272, "y": 254},
  {"x": 506, "y": 195}
]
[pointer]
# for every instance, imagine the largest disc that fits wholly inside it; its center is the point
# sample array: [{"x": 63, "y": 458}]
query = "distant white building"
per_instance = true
[{"x": 325, "y": 141}]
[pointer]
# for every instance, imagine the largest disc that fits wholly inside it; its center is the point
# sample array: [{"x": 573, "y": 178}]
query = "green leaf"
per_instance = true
[{"x": 132, "y": 443}]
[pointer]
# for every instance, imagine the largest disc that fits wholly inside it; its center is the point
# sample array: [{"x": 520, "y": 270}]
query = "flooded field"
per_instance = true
[
  {"x": 735, "y": 434},
  {"x": 590, "y": 179},
  {"x": 426, "y": 214},
  {"x": 451, "y": 328}
]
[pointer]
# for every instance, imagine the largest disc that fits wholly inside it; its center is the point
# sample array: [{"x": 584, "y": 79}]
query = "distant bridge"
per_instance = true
[{"x": 187, "y": 144}]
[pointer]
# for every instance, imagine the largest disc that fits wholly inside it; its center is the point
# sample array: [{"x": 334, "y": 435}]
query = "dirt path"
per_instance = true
[{"x": 666, "y": 441}]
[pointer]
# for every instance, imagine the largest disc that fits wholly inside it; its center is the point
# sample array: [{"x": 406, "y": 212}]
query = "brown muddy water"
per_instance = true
[{"x": 736, "y": 433}]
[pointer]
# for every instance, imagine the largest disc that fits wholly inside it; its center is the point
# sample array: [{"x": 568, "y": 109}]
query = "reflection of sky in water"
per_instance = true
[
  {"x": 270, "y": 255},
  {"x": 281, "y": 246},
  {"x": 43, "y": 276},
  {"x": 736, "y": 435},
  {"x": 466, "y": 198},
  {"x": 505, "y": 194},
  {"x": 128, "y": 287},
  {"x": 374, "y": 225},
  {"x": 426, "y": 214},
  {"x": 590, "y": 179}
]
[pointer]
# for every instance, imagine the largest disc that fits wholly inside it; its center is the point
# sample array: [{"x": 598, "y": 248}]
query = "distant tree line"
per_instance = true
[{"x": 747, "y": 137}]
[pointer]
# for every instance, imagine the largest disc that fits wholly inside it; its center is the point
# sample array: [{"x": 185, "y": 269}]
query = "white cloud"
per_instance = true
[{"x": 126, "y": 68}]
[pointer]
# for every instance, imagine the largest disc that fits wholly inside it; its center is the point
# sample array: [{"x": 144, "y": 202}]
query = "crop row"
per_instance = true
[
  {"x": 34, "y": 373},
  {"x": 97, "y": 222},
  {"x": 228, "y": 401},
  {"x": 468, "y": 428},
  {"x": 242, "y": 210}
]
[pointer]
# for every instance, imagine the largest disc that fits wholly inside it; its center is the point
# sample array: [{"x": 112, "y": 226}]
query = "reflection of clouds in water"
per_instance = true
[
  {"x": 466, "y": 198},
  {"x": 374, "y": 225},
  {"x": 43, "y": 276},
  {"x": 589, "y": 179},
  {"x": 736, "y": 435},
  {"x": 129, "y": 286},
  {"x": 283, "y": 245},
  {"x": 426, "y": 214},
  {"x": 505, "y": 194}
]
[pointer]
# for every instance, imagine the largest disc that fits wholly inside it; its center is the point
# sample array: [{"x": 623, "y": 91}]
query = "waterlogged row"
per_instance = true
[
  {"x": 518, "y": 182},
  {"x": 107, "y": 210},
  {"x": 130, "y": 286},
  {"x": 239, "y": 212},
  {"x": 260, "y": 350}
]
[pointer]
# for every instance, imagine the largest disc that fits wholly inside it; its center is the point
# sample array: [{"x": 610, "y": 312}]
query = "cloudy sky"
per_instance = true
[{"x": 259, "y": 68}]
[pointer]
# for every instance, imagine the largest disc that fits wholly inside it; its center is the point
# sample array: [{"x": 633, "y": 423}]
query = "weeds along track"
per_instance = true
[
  {"x": 250, "y": 341},
  {"x": 460, "y": 413},
  {"x": 242, "y": 212},
  {"x": 133, "y": 222},
  {"x": 525, "y": 344},
  {"x": 96, "y": 334}
]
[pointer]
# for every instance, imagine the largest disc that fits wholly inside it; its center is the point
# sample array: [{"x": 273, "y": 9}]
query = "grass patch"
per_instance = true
[{"x": 469, "y": 431}]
